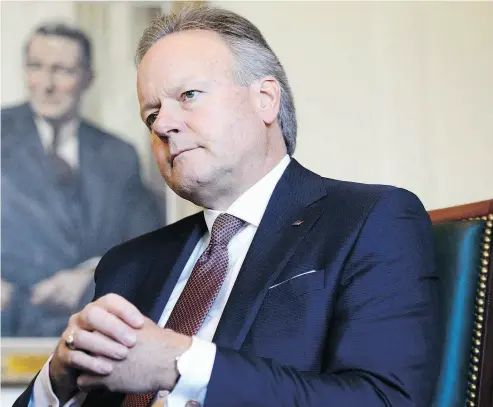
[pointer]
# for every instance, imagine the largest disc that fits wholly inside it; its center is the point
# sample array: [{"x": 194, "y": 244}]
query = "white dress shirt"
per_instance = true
[
  {"x": 68, "y": 144},
  {"x": 195, "y": 365}
]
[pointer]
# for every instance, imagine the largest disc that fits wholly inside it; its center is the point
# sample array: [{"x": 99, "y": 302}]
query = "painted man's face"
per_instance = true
[{"x": 56, "y": 76}]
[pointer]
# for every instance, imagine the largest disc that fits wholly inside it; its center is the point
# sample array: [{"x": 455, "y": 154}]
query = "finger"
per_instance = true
[
  {"x": 65, "y": 299},
  {"x": 123, "y": 309},
  {"x": 71, "y": 302},
  {"x": 95, "y": 318},
  {"x": 35, "y": 293},
  {"x": 87, "y": 382},
  {"x": 55, "y": 298},
  {"x": 82, "y": 361},
  {"x": 99, "y": 344},
  {"x": 57, "y": 304},
  {"x": 41, "y": 292}
]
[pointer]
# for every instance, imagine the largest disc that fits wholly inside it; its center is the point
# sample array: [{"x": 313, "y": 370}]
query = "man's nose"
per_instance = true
[
  {"x": 47, "y": 82},
  {"x": 167, "y": 123}
]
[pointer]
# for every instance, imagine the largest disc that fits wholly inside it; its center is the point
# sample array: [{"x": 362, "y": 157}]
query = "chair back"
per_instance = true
[{"x": 463, "y": 243}]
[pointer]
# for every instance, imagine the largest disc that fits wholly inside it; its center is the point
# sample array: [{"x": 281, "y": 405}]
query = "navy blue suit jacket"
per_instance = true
[{"x": 359, "y": 331}]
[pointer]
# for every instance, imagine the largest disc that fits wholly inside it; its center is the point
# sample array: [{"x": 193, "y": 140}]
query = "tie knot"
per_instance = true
[{"x": 224, "y": 228}]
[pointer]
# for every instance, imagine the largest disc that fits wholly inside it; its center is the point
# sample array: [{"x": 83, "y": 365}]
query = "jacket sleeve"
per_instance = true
[{"x": 383, "y": 345}]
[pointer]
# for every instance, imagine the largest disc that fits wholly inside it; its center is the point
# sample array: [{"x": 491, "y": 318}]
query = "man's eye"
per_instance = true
[
  {"x": 63, "y": 69},
  {"x": 151, "y": 119},
  {"x": 189, "y": 95},
  {"x": 34, "y": 66}
]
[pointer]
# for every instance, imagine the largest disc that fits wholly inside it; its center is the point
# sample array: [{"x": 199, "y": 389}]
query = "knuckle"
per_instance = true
[
  {"x": 99, "y": 365},
  {"x": 123, "y": 350},
  {"x": 66, "y": 357},
  {"x": 72, "y": 319},
  {"x": 94, "y": 365},
  {"x": 60, "y": 360},
  {"x": 110, "y": 299},
  {"x": 92, "y": 342},
  {"x": 64, "y": 334},
  {"x": 119, "y": 352},
  {"x": 91, "y": 315},
  {"x": 84, "y": 312},
  {"x": 59, "y": 351},
  {"x": 71, "y": 358},
  {"x": 78, "y": 336},
  {"x": 84, "y": 318}
]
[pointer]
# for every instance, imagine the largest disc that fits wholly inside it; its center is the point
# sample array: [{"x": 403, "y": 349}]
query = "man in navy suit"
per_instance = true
[
  {"x": 70, "y": 191},
  {"x": 328, "y": 290}
]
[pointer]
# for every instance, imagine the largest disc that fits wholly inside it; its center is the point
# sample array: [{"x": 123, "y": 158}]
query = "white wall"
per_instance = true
[{"x": 390, "y": 92}]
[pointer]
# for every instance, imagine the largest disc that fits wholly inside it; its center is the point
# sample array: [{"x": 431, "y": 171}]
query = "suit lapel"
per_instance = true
[
  {"x": 22, "y": 149},
  {"x": 96, "y": 186},
  {"x": 154, "y": 293},
  {"x": 294, "y": 198},
  {"x": 24, "y": 161}
]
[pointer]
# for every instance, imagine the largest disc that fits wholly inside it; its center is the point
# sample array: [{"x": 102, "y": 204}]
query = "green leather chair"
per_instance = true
[{"x": 463, "y": 239}]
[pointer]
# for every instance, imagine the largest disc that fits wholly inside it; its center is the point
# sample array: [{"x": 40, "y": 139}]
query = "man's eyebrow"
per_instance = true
[
  {"x": 155, "y": 103},
  {"x": 149, "y": 106}
]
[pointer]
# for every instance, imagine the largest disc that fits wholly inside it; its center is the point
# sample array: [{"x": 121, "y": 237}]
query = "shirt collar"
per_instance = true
[
  {"x": 45, "y": 130},
  {"x": 251, "y": 205}
]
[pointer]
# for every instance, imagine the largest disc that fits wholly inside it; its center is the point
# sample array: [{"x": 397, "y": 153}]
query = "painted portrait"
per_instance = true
[{"x": 77, "y": 175}]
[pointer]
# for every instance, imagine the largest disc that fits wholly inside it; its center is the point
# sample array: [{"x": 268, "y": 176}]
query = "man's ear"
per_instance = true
[
  {"x": 268, "y": 99},
  {"x": 87, "y": 78}
]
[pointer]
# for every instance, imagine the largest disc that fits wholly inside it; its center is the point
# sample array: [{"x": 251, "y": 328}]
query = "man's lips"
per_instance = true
[
  {"x": 178, "y": 152},
  {"x": 50, "y": 101}
]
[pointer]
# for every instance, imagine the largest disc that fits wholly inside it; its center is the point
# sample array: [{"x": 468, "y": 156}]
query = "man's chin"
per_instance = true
[
  {"x": 185, "y": 184},
  {"x": 50, "y": 112},
  {"x": 183, "y": 191}
]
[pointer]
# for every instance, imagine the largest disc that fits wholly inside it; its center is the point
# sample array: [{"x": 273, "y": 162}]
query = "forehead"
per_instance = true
[
  {"x": 54, "y": 48},
  {"x": 193, "y": 54}
]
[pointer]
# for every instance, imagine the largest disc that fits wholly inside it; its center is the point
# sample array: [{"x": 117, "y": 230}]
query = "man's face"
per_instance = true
[
  {"x": 55, "y": 77},
  {"x": 205, "y": 132}
]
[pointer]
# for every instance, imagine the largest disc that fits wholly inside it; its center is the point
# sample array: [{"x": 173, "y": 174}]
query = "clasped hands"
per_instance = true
[{"x": 117, "y": 348}]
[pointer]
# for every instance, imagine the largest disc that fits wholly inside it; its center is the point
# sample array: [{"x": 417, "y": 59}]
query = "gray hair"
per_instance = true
[
  {"x": 60, "y": 29},
  {"x": 253, "y": 56}
]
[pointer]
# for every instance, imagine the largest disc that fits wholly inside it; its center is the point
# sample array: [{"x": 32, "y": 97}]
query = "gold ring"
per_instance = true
[{"x": 69, "y": 342}]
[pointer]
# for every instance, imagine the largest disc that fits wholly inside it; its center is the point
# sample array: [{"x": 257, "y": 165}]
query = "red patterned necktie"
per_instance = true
[{"x": 200, "y": 291}]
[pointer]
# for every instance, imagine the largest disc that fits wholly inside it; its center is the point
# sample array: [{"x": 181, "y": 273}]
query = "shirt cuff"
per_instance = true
[
  {"x": 43, "y": 394},
  {"x": 90, "y": 263},
  {"x": 195, "y": 368}
]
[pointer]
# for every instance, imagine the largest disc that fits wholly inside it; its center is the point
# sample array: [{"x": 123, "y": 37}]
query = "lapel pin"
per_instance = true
[{"x": 297, "y": 223}]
